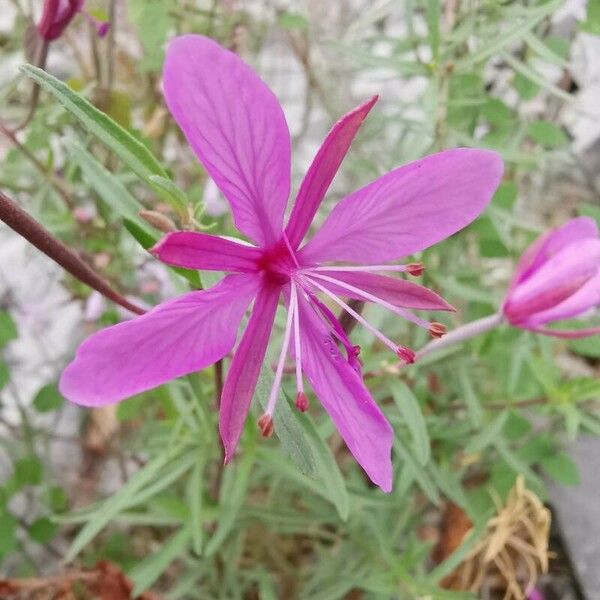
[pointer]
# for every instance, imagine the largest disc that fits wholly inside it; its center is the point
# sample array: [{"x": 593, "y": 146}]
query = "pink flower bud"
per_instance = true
[
  {"x": 56, "y": 16},
  {"x": 558, "y": 277}
]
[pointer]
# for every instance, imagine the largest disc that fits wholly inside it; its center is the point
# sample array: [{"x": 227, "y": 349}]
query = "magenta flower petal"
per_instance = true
[
  {"x": 551, "y": 243},
  {"x": 202, "y": 251},
  {"x": 322, "y": 171},
  {"x": 585, "y": 298},
  {"x": 245, "y": 368},
  {"x": 399, "y": 292},
  {"x": 237, "y": 129},
  {"x": 409, "y": 209},
  {"x": 341, "y": 391},
  {"x": 554, "y": 281},
  {"x": 175, "y": 338}
]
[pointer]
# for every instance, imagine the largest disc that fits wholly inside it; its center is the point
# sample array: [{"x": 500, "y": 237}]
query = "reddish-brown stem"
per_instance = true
[{"x": 21, "y": 222}]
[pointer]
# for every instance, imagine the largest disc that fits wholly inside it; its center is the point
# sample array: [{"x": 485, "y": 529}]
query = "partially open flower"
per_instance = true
[{"x": 558, "y": 277}]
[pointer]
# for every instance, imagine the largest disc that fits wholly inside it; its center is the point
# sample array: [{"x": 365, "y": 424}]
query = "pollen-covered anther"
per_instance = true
[
  {"x": 415, "y": 269},
  {"x": 406, "y": 354},
  {"x": 265, "y": 424},
  {"x": 437, "y": 330},
  {"x": 356, "y": 350},
  {"x": 301, "y": 402}
]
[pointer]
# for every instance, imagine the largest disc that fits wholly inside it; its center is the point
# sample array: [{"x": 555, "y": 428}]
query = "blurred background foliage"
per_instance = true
[{"x": 141, "y": 484}]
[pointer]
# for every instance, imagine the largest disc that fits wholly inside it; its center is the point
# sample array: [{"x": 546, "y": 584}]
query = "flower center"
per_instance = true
[{"x": 277, "y": 263}]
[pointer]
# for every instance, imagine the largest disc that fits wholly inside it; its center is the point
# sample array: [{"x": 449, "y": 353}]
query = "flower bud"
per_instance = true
[
  {"x": 56, "y": 16},
  {"x": 158, "y": 220}
]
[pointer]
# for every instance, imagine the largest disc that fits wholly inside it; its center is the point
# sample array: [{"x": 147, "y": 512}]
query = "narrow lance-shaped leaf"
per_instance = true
[
  {"x": 120, "y": 141},
  {"x": 106, "y": 185}
]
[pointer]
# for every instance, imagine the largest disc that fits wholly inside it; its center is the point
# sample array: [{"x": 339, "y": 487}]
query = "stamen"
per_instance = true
[
  {"x": 437, "y": 330},
  {"x": 297, "y": 344},
  {"x": 265, "y": 424},
  {"x": 333, "y": 324},
  {"x": 393, "y": 347},
  {"x": 415, "y": 269},
  {"x": 284, "y": 348},
  {"x": 301, "y": 402},
  {"x": 406, "y": 314},
  {"x": 406, "y": 354}
]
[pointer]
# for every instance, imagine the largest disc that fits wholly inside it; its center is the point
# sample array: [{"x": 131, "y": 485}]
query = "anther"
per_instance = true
[
  {"x": 301, "y": 402},
  {"x": 356, "y": 350},
  {"x": 415, "y": 269},
  {"x": 265, "y": 424},
  {"x": 406, "y": 354},
  {"x": 437, "y": 330}
]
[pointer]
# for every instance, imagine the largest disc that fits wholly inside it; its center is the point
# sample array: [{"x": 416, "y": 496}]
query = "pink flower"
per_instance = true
[
  {"x": 558, "y": 277},
  {"x": 237, "y": 129},
  {"x": 57, "y": 14}
]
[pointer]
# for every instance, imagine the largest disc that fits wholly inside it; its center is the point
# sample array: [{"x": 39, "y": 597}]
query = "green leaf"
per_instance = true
[
  {"x": 289, "y": 20},
  {"x": 526, "y": 88},
  {"x": 547, "y": 134},
  {"x": 535, "y": 77},
  {"x": 562, "y": 469},
  {"x": 195, "y": 491},
  {"x": 28, "y": 471},
  {"x": 105, "y": 184},
  {"x": 518, "y": 465},
  {"x": 589, "y": 346},
  {"x": 231, "y": 498},
  {"x": 42, "y": 530},
  {"x": 152, "y": 19},
  {"x": 470, "y": 397},
  {"x": 422, "y": 479},
  {"x": 487, "y": 435},
  {"x": 48, "y": 398},
  {"x": 146, "y": 572},
  {"x": 178, "y": 199},
  {"x": 129, "y": 149},
  {"x": 8, "y": 539},
  {"x": 326, "y": 470},
  {"x": 140, "y": 482},
  {"x": 8, "y": 329},
  {"x": 287, "y": 428},
  {"x": 592, "y": 22},
  {"x": 410, "y": 410},
  {"x": 505, "y": 195},
  {"x": 4, "y": 374},
  {"x": 432, "y": 16},
  {"x": 58, "y": 499}
]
